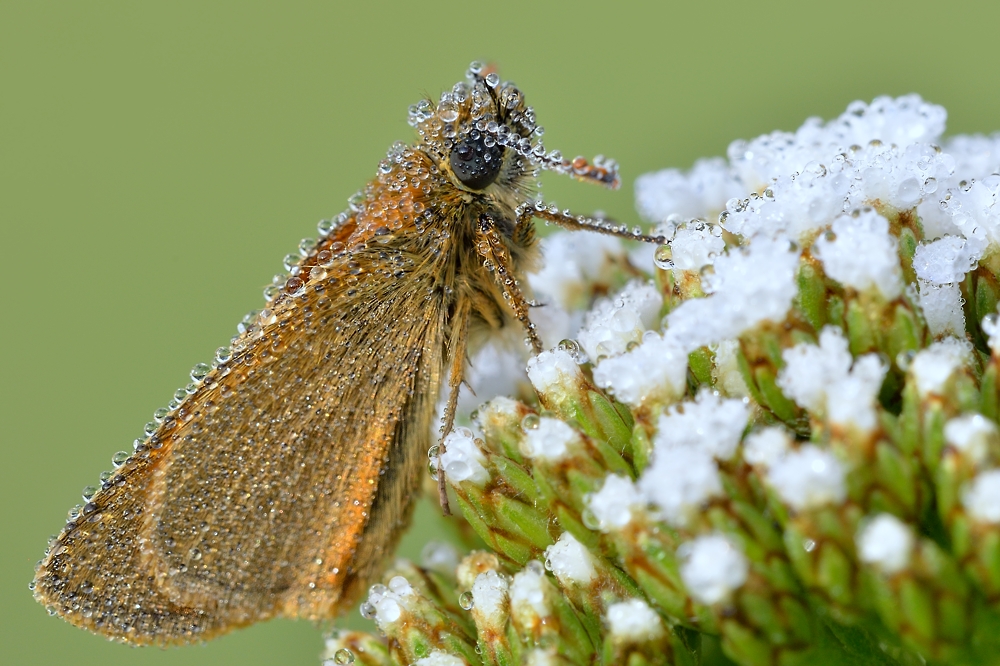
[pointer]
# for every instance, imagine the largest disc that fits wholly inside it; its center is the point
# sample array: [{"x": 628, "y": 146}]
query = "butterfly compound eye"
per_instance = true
[{"x": 476, "y": 164}]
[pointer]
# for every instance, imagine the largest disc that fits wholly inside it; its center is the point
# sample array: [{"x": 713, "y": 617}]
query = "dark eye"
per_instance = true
[{"x": 475, "y": 164}]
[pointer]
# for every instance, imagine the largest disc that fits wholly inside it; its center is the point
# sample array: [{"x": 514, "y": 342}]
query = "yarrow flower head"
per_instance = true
[{"x": 778, "y": 433}]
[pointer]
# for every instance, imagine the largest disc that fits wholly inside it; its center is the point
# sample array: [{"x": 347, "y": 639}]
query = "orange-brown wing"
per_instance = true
[{"x": 269, "y": 490}]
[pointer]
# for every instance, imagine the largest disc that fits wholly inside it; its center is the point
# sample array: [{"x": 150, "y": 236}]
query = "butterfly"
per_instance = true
[{"x": 278, "y": 482}]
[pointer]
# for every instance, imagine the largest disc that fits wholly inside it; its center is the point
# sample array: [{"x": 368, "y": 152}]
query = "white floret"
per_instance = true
[
  {"x": 655, "y": 370},
  {"x": 975, "y": 211},
  {"x": 696, "y": 193},
  {"x": 976, "y": 156},
  {"x": 696, "y": 244},
  {"x": 809, "y": 369},
  {"x": 934, "y": 366},
  {"x": 974, "y": 435},
  {"x": 808, "y": 478},
  {"x": 712, "y": 568},
  {"x": 901, "y": 121},
  {"x": 489, "y": 598},
  {"x": 863, "y": 254},
  {"x": 766, "y": 446},
  {"x": 750, "y": 285},
  {"x": 852, "y": 400},
  {"x": 572, "y": 261},
  {"x": 708, "y": 422},
  {"x": 614, "y": 504},
  {"x": 554, "y": 372},
  {"x": 982, "y": 498},
  {"x": 615, "y": 323},
  {"x": 886, "y": 542},
  {"x": 633, "y": 621},
  {"x": 942, "y": 308},
  {"x": 570, "y": 561},
  {"x": 679, "y": 481},
  {"x": 462, "y": 460},
  {"x": 389, "y": 602},
  {"x": 823, "y": 379},
  {"x": 527, "y": 594},
  {"x": 551, "y": 440},
  {"x": 944, "y": 260},
  {"x": 495, "y": 369}
]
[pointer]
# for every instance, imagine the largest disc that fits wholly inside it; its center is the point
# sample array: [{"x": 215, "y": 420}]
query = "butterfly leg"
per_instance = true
[
  {"x": 497, "y": 259},
  {"x": 457, "y": 345}
]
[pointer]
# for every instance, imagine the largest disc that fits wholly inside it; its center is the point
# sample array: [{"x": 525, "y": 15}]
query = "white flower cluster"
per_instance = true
[{"x": 825, "y": 189}]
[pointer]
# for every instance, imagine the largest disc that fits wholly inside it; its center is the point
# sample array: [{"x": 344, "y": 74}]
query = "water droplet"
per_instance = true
[
  {"x": 367, "y": 611},
  {"x": 290, "y": 261},
  {"x": 89, "y": 492},
  {"x": 119, "y": 458},
  {"x": 448, "y": 112},
  {"x": 199, "y": 371},
  {"x": 465, "y": 600},
  {"x": 343, "y": 657},
  {"x": 307, "y": 246},
  {"x": 808, "y": 545},
  {"x": 573, "y": 348},
  {"x": 663, "y": 257},
  {"x": 530, "y": 422}
]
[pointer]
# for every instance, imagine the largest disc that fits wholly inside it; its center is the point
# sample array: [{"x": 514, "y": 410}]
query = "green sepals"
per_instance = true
[
  {"x": 521, "y": 483},
  {"x": 497, "y": 644},
  {"x": 812, "y": 295},
  {"x": 772, "y": 397},
  {"x": 834, "y": 573},
  {"x": 896, "y": 473},
  {"x": 642, "y": 448},
  {"x": 516, "y": 531},
  {"x": 862, "y": 335},
  {"x": 904, "y": 334},
  {"x": 989, "y": 405},
  {"x": 515, "y": 516},
  {"x": 907, "y": 249},
  {"x": 700, "y": 363},
  {"x": 835, "y": 309},
  {"x": 932, "y": 435},
  {"x": 744, "y": 646},
  {"x": 746, "y": 371},
  {"x": 611, "y": 430},
  {"x": 577, "y": 641},
  {"x": 910, "y": 422}
]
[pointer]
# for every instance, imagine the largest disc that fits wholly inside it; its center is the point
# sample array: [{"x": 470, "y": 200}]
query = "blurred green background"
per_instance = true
[{"x": 157, "y": 160}]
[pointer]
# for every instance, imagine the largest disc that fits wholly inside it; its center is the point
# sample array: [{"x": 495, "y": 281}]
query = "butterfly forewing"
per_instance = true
[{"x": 251, "y": 498}]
